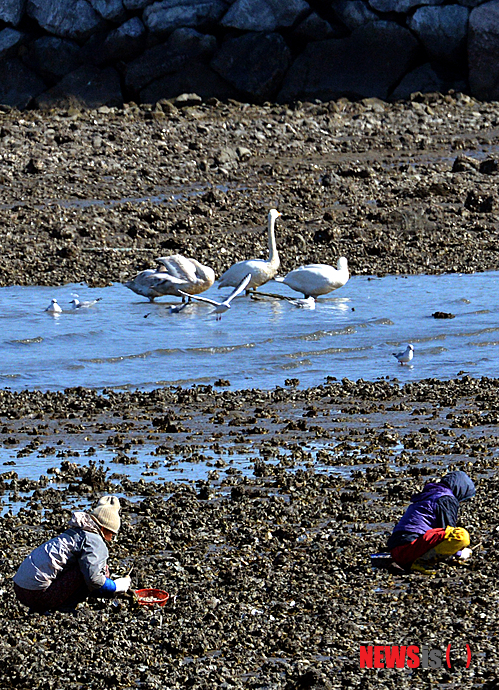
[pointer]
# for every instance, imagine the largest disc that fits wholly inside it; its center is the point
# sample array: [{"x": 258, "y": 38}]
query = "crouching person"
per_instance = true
[
  {"x": 427, "y": 532},
  {"x": 72, "y": 566}
]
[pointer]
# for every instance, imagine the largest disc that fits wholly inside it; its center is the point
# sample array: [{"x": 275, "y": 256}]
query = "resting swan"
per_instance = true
[
  {"x": 173, "y": 273},
  {"x": 261, "y": 271},
  {"x": 317, "y": 279}
]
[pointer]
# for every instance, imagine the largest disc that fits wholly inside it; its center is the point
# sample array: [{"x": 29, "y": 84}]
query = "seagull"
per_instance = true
[
  {"x": 76, "y": 304},
  {"x": 261, "y": 270},
  {"x": 178, "y": 308},
  {"x": 405, "y": 356},
  {"x": 221, "y": 307},
  {"x": 54, "y": 308}
]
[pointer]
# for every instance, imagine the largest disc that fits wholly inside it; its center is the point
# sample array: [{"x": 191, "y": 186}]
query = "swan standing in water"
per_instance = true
[
  {"x": 317, "y": 279},
  {"x": 174, "y": 273},
  {"x": 261, "y": 271},
  {"x": 221, "y": 307}
]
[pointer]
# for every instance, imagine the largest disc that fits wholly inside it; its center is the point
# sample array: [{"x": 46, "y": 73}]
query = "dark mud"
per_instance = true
[
  {"x": 270, "y": 575},
  {"x": 95, "y": 196}
]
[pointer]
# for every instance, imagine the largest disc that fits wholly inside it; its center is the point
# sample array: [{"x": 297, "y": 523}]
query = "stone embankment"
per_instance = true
[{"x": 106, "y": 52}]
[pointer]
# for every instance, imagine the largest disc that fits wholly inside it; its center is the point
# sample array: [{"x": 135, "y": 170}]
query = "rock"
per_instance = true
[
  {"x": 137, "y": 4},
  {"x": 11, "y": 11},
  {"x": 74, "y": 19},
  {"x": 354, "y": 13},
  {"x": 182, "y": 46},
  {"x": 18, "y": 84},
  {"x": 125, "y": 42},
  {"x": 442, "y": 31},
  {"x": 186, "y": 100},
  {"x": 423, "y": 79},
  {"x": 194, "y": 77},
  {"x": 88, "y": 85},
  {"x": 264, "y": 15},
  {"x": 112, "y": 10},
  {"x": 400, "y": 5},
  {"x": 52, "y": 58},
  {"x": 443, "y": 315},
  {"x": 315, "y": 28},
  {"x": 268, "y": 55},
  {"x": 9, "y": 40},
  {"x": 367, "y": 63},
  {"x": 168, "y": 15},
  {"x": 483, "y": 51}
]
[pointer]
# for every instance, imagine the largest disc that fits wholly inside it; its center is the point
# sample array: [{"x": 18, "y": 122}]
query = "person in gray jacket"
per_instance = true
[{"x": 72, "y": 566}]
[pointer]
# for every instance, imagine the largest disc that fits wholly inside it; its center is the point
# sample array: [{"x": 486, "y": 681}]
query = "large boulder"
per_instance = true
[
  {"x": 369, "y": 62},
  {"x": 11, "y": 11},
  {"x": 168, "y": 15},
  {"x": 353, "y": 13},
  {"x": 18, "y": 84},
  {"x": 423, "y": 79},
  {"x": 181, "y": 46},
  {"x": 195, "y": 77},
  {"x": 74, "y": 19},
  {"x": 87, "y": 86},
  {"x": 52, "y": 58},
  {"x": 269, "y": 57},
  {"x": 264, "y": 15},
  {"x": 122, "y": 44},
  {"x": 315, "y": 28},
  {"x": 483, "y": 51},
  {"x": 112, "y": 10},
  {"x": 400, "y": 5},
  {"x": 10, "y": 39},
  {"x": 442, "y": 30},
  {"x": 136, "y": 4}
]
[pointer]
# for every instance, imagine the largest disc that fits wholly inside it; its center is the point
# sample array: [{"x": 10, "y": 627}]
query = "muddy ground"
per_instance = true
[{"x": 271, "y": 578}]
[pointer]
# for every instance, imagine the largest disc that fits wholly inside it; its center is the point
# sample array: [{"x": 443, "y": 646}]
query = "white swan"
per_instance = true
[
  {"x": 197, "y": 277},
  {"x": 261, "y": 271},
  {"x": 221, "y": 307},
  {"x": 317, "y": 279},
  {"x": 173, "y": 273}
]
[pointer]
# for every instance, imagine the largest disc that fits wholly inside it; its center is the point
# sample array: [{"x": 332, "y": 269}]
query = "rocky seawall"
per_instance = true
[{"x": 107, "y": 52}]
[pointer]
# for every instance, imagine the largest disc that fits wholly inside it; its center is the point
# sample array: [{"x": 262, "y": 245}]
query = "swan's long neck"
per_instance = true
[{"x": 274, "y": 260}]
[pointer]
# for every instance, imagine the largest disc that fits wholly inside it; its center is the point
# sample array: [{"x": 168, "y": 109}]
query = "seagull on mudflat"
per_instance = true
[
  {"x": 405, "y": 356},
  {"x": 76, "y": 304},
  {"x": 221, "y": 307},
  {"x": 53, "y": 307}
]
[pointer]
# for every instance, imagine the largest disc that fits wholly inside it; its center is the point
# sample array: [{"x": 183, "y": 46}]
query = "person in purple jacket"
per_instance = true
[{"x": 427, "y": 532}]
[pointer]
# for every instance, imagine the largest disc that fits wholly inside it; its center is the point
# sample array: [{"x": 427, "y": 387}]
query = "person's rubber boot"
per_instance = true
[{"x": 423, "y": 567}]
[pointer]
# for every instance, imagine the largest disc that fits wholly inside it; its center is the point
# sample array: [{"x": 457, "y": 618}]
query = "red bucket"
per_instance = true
[{"x": 151, "y": 597}]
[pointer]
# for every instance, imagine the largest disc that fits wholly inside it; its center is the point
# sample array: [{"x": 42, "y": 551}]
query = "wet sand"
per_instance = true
[{"x": 271, "y": 577}]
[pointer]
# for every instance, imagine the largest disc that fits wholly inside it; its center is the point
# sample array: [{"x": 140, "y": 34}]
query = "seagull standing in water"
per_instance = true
[
  {"x": 53, "y": 307},
  {"x": 76, "y": 304},
  {"x": 221, "y": 307},
  {"x": 405, "y": 356}
]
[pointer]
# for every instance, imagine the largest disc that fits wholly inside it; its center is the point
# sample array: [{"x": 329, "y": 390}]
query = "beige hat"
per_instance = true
[{"x": 107, "y": 513}]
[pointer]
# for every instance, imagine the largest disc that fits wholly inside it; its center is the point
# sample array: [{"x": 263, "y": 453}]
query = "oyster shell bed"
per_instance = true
[{"x": 270, "y": 576}]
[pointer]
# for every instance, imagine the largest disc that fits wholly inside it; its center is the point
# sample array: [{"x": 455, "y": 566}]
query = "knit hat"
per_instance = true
[{"x": 107, "y": 513}]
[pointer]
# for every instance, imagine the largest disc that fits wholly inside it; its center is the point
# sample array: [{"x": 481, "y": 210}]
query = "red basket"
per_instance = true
[{"x": 151, "y": 597}]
